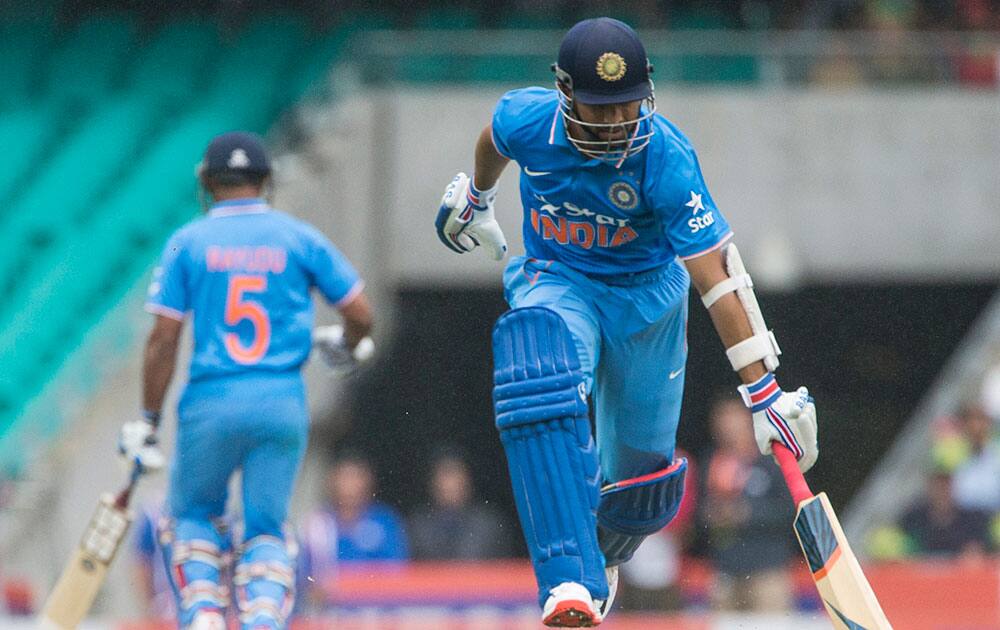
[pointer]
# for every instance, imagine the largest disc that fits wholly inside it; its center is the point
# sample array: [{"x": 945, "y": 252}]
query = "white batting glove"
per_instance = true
[
  {"x": 138, "y": 443},
  {"x": 785, "y": 417},
  {"x": 465, "y": 219},
  {"x": 332, "y": 345}
]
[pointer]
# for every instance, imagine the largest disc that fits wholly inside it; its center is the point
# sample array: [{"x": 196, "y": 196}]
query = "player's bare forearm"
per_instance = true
[
  {"x": 158, "y": 361},
  {"x": 358, "y": 319},
  {"x": 489, "y": 162},
  {"x": 728, "y": 314}
]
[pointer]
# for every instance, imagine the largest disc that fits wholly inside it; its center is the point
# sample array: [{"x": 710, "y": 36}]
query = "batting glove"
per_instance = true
[
  {"x": 332, "y": 345},
  {"x": 138, "y": 443},
  {"x": 785, "y": 417},
  {"x": 465, "y": 219}
]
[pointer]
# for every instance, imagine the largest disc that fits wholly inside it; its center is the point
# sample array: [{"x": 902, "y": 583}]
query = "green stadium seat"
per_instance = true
[
  {"x": 160, "y": 181},
  {"x": 175, "y": 64},
  {"x": 49, "y": 212},
  {"x": 96, "y": 267},
  {"x": 88, "y": 66},
  {"x": 316, "y": 60},
  {"x": 30, "y": 130},
  {"x": 251, "y": 76},
  {"x": 23, "y": 47}
]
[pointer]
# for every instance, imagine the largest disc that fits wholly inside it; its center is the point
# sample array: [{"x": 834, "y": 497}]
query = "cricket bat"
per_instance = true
[
  {"x": 843, "y": 587},
  {"x": 86, "y": 570}
]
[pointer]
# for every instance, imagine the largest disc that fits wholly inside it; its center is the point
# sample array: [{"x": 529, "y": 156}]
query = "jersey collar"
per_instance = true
[{"x": 248, "y": 205}]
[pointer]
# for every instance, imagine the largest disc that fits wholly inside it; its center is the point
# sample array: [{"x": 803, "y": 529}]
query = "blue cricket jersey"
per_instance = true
[
  {"x": 593, "y": 217},
  {"x": 244, "y": 272}
]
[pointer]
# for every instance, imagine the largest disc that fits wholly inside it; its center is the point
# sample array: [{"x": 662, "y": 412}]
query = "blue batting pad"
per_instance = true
[
  {"x": 634, "y": 508},
  {"x": 197, "y": 554},
  {"x": 541, "y": 412},
  {"x": 265, "y": 584}
]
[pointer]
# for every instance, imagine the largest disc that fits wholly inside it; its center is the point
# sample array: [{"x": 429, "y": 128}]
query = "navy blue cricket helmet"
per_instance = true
[
  {"x": 601, "y": 62},
  {"x": 235, "y": 152}
]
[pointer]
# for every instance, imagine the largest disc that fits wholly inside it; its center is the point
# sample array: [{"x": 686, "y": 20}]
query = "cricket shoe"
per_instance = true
[
  {"x": 208, "y": 620},
  {"x": 604, "y": 605},
  {"x": 570, "y": 606}
]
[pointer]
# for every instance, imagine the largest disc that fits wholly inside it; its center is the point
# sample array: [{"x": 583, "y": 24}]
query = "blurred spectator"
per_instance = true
[
  {"x": 650, "y": 580},
  {"x": 350, "y": 527},
  {"x": 746, "y": 510},
  {"x": 150, "y": 573},
  {"x": 976, "y": 480},
  {"x": 454, "y": 526},
  {"x": 938, "y": 526}
]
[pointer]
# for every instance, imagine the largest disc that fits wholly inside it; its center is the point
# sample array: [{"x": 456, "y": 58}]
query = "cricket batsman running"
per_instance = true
[
  {"x": 243, "y": 275},
  {"x": 617, "y": 223}
]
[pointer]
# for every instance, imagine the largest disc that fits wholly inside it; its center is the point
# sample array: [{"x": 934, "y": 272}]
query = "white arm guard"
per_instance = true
[{"x": 762, "y": 346}]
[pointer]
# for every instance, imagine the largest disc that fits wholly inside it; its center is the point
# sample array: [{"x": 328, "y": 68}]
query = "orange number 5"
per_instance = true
[{"x": 237, "y": 310}]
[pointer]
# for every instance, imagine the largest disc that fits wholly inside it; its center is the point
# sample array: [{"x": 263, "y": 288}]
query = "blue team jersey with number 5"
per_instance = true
[
  {"x": 244, "y": 272},
  {"x": 594, "y": 217}
]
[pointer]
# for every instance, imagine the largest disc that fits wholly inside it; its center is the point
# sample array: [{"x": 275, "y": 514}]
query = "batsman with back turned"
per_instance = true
[
  {"x": 618, "y": 222},
  {"x": 242, "y": 275}
]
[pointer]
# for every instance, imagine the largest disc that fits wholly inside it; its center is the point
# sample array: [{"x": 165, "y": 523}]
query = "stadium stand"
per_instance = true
[{"x": 107, "y": 143}]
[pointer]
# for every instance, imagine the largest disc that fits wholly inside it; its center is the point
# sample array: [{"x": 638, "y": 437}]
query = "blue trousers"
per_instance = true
[
  {"x": 258, "y": 424},
  {"x": 630, "y": 333}
]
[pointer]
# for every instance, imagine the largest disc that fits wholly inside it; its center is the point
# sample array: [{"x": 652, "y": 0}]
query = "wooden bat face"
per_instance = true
[
  {"x": 842, "y": 585},
  {"x": 87, "y": 569}
]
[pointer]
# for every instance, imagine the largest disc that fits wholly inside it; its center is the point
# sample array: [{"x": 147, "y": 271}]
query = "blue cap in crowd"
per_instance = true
[{"x": 603, "y": 61}]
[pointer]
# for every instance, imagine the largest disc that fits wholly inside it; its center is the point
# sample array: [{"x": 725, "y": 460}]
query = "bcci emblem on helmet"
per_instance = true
[
  {"x": 611, "y": 66},
  {"x": 623, "y": 195}
]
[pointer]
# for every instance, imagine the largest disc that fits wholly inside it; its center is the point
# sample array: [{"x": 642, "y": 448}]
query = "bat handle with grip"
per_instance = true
[
  {"x": 796, "y": 483},
  {"x": 122, "y": 499}
]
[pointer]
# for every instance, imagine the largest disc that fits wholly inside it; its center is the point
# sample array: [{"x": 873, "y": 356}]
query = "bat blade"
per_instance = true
[
  {"x": 846, "y": 593},
  {"x": 74, "y": 593}
]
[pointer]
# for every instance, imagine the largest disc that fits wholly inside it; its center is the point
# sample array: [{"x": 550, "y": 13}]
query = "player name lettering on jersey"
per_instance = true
[{"x": 261, "y": 259}]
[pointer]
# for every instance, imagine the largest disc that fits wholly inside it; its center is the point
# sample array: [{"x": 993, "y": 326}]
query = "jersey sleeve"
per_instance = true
[
  {"x": 503, "y": 126},
  {"x": 330, "y": 270},
  {"x": 168, "y": 291},
  {"x": 691, "y": 222},
  {"x": 518, "y": 118}
]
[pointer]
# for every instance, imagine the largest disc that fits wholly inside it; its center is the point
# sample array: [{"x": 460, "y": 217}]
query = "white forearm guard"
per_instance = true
[{"x": 762, "y": 346}]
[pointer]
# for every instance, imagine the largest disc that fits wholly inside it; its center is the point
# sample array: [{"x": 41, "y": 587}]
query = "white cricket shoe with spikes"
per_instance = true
[
  {"x": 570, "y": 606},
  {"x": 208, "y": 620},
  {"x": 604, "y": 605}
]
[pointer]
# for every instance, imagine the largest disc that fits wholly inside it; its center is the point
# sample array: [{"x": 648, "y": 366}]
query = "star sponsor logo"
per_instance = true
[
  {"x": 623, "y": 195},
  {"x": 698, "y": 222},
  {"x": 695, "y": 204}
]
